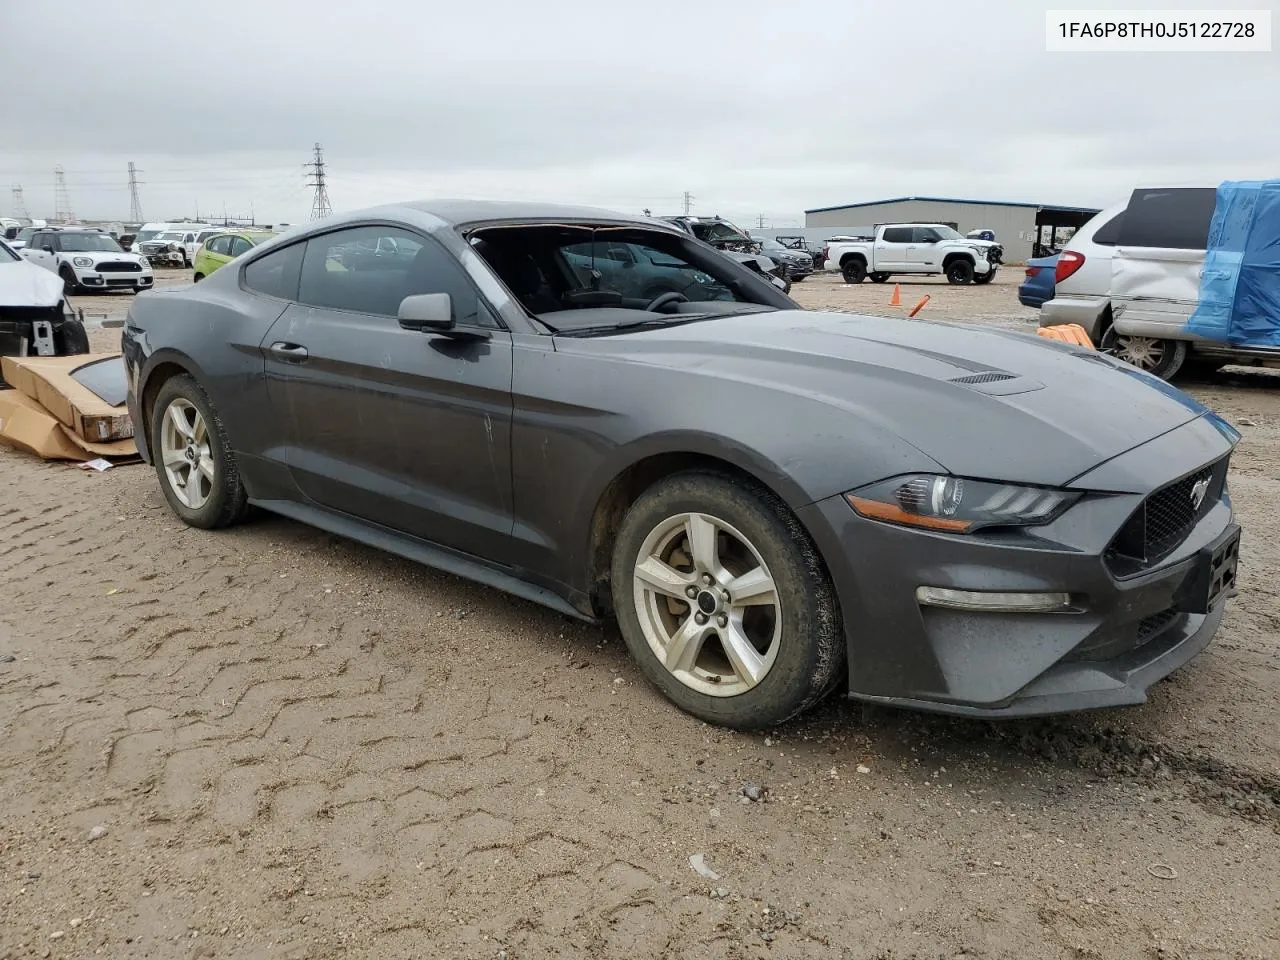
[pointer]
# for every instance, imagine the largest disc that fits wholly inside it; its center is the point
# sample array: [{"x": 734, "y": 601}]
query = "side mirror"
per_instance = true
[
  {"x": 426, "y": 312},
  {"x": 47, "y": 248}
]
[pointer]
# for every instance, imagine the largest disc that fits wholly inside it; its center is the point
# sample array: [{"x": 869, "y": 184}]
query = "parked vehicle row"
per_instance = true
[{"x": 495, "y": 390}]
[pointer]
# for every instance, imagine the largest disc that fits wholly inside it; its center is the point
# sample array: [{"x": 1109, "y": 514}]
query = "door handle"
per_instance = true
[{"x": 289, "y": 352}]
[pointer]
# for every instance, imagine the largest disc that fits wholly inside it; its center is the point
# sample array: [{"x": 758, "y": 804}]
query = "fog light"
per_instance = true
[{"x": 983, "y": 601}]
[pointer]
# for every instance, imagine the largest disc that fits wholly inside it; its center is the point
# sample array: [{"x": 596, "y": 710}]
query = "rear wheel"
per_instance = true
[
  {"x": 724, "y": 603},
  {"x": 853, "y": 271},
  {"x": 879, "y": 277},
  {"x": 193, "y": 457},
  {"x": 1163, "y": 358},
  {"x": 959, "y": 271}
]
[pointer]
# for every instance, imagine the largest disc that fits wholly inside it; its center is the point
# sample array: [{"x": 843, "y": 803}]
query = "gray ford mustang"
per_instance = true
[{"x": 601, "y": 414}]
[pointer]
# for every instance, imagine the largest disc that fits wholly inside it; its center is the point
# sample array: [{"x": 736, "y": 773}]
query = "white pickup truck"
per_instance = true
[{"x": 914, "y": 248}]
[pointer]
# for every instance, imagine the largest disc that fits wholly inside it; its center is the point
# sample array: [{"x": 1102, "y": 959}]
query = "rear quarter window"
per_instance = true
[
  {"x": 276, "y": 274},
  {"x": 1108, "y": 233},
  {"x": 1172, "y": 218}
]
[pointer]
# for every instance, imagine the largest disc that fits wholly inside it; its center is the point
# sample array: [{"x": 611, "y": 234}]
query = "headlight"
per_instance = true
[
  {"x": 82, "y": 261},
  {"x": 956, "y": 505}
]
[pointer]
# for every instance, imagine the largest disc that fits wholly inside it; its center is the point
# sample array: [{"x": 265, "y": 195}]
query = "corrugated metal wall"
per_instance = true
[{"x": 1015, "y": 227}]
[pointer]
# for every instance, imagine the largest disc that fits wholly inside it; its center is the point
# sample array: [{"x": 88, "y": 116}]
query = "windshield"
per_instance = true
[
  {"x": 946, "y": 233},
  {"x": 170, "y": 235},
  {"x": 561, "y": 271},
  {"x": 773, "y": 245},
  {"x": 7, "y": 255},
  {"x": 25, "y": 234},
  {"x": 145, "y": 235},
  {"x": 88, "y": 242}
]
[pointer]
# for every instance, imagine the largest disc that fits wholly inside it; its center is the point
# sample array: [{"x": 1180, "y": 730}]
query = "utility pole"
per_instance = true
[
  {"x": 760, "y": 221},
  {"x": 62, "y": 211},
  {"x": 135, "y": 205},
  {"x": 320, "y": 206},
  {"x": 19, "y": 203},
  {"x": 688, "y": 202}
]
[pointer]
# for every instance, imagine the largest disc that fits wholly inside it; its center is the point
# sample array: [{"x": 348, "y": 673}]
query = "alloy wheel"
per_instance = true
[
  {"x": 1145, "y": 353},
  {"x": 185, "y": 453},
  {"x": 707, "y": 605}
]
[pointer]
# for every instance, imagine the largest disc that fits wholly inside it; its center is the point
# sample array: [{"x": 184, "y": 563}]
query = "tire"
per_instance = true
[
  {"x": 799, "y": 279},
  {"x": 69, "y": 284},
  {"x": 853, "y": 271},
  {"x": 197, "y": 278},
  {"x": 960, "y": 271},
  {"x": 986, "y": 277},
  {"x": 879, "y": 277},
  {"x": 1162, "y": 358},
  {"x": 225, "y": 501},
  {"x": 70, "y": 339},
  {"x": 797, "y": 639}
]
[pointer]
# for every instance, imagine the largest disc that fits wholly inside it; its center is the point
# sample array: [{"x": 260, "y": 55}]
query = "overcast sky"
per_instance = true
[{"x": 753, "y": 107}]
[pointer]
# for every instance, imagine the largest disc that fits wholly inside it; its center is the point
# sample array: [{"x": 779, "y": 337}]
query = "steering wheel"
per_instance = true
[{"x": 662, "y": 299}]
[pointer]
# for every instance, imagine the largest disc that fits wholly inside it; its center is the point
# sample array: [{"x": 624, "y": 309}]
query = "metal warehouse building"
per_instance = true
[{"x": 1019, "y": 227}]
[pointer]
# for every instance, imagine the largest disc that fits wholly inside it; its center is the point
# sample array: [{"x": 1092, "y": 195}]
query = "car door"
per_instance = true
[
  {"x": 402, "y": 428},
  {"x": 218, "y": 250},
  {"x": 890, "y": 253},
  {"x": 35, "y": 251},
  {"x": 922, "y": 251},
  {"x": 1159, "y": 259}
]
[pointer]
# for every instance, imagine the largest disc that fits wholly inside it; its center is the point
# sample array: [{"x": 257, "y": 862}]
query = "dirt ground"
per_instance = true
[{"x": 273, "y": 743}]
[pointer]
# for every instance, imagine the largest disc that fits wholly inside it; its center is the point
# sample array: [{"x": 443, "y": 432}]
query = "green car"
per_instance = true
[{"x": 225, "y": 247}]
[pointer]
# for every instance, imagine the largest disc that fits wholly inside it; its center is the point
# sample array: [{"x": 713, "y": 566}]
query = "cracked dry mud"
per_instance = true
[{"x": 302, "y": 748}]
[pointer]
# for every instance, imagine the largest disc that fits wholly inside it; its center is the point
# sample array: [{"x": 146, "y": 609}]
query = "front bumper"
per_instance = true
[
  {"x": 92, "y": 279},
  {"x": 1121, "y": 636}
]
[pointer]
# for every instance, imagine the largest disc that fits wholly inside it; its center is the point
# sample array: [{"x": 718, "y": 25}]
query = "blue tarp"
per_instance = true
[{"x": 1240, "y": 287}]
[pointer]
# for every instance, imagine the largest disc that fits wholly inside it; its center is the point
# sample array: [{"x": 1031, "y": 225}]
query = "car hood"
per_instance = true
[
  {"x": 24, "y": 284},
  {"x": 980, "y": 402}
]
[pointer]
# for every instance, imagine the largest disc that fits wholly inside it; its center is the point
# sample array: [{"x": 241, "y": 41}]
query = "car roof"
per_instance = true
[{"x": 458, "y": 212}]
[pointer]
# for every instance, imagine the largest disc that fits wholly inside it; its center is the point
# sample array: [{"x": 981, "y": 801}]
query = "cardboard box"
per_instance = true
[
  {"x": 48, "y": 381},
  {"x": 28, "y": 426}
]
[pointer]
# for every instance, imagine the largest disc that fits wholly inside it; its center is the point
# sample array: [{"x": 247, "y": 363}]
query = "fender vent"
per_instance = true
[{"x": 990, "y": 377}]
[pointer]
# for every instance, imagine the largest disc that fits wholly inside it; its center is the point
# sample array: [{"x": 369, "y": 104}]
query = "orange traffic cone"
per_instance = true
[
  {"x": 1068, "y": 333},
  {"x": 916, "y": 308},
  {"x": 896, "y": 299}
]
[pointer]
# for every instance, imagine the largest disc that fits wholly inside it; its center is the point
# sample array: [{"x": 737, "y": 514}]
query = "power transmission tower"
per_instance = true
[
  {"x": 688, "y": 202},
  {"x": 760, "y": 220},
  {"x": 320, "y": 206},
  {"x": 19, "y": 203},
  {"x": 61, "y": 199},
  {"x": 135, "y": 205}
]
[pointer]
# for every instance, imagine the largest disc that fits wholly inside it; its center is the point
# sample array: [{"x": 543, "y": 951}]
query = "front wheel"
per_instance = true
[
  {"x": 959, "y": 271},
  {"x": 197, "y": 278},
  {"x": 1162, "y": 358},
  {"x": 69, "y": 283},
  {"x": 853, "y": 271},
  {"x": 70, "y": 339},
  {"x": 724, "y": 603},
  {"x": 193, "y": 457},
  {"x": 986, "y": 277}
]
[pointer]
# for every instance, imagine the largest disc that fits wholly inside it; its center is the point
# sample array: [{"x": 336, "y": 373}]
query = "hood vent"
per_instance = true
[{"x": 990, "y": 376}]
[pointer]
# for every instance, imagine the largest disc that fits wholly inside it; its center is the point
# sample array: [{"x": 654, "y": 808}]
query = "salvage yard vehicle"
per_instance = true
[
  {"x": 773, "y": 503},
  {"x": 736, "y": 244},
  {"x": 1132, "y": 277},
  {"x": 918, "y": 249},
  {"x": 798, "y": 263},
  {"x": 35, "y": 318},
  {"x": 800, "y": 243},
  {"x": 1038, "y": 283},
  {"x": 222, "y": 248},
  {"x": 87, "y": 260}
]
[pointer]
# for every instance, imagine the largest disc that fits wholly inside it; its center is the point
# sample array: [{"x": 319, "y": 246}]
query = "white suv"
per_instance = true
[
  {"x": 88, "y": 260},
  {"x": 1131, "y": 277}
]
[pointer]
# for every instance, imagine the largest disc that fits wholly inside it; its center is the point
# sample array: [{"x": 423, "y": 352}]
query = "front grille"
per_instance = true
[
  {"x": 1148, "y": 627},
  {"x": 113, "y": 267},
  {"x": 1165, "y": 519},
  {"x": 989, "y": 377},
  {"x": 120, "y": 283}
]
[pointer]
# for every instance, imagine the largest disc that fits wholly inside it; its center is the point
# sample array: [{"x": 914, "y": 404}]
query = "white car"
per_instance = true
[
  {"x": 88, "y": 260},
  {"x": 1131, "y": 278},
  {"x": 914, "y": 248},
  {"x": 34, "y": 315},
  {"x": 173, "y": 243}
]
